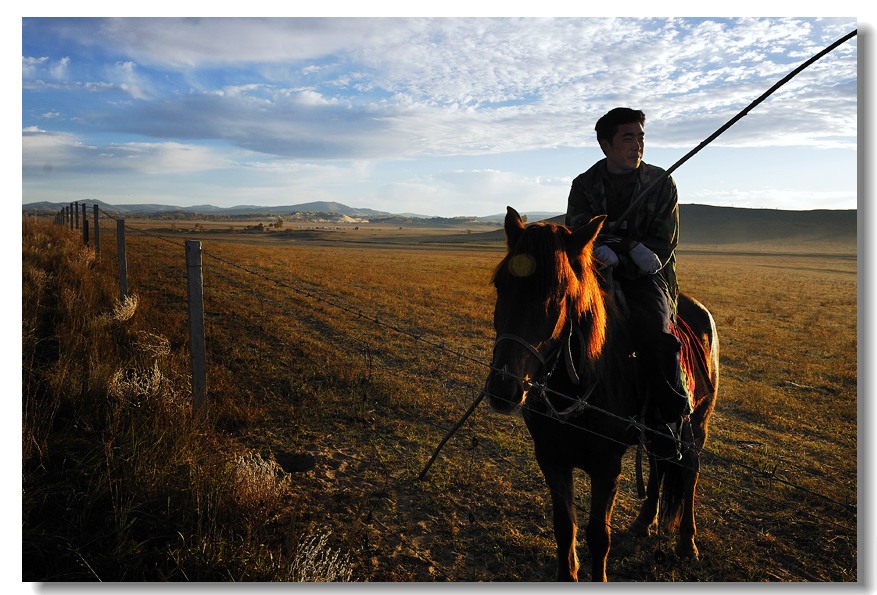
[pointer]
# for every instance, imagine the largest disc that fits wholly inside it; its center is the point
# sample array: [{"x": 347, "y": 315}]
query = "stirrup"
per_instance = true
[{"x": 675, "y": 429}]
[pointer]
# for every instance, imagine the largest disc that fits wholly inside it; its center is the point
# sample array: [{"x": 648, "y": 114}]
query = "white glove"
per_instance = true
[
  {"x": 646, "y": 260},
  {"x": 606, "y": 255}
]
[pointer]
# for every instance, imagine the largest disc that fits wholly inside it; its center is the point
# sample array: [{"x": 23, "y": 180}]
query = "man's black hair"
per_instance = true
[{"x": 608, "y": 125}]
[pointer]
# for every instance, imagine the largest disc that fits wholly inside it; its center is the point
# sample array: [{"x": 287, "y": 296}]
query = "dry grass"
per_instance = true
[{"x": 321, "y": 418}]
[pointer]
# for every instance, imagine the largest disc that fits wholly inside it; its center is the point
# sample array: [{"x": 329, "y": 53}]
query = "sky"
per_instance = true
[{"x": 433, "y": 116}]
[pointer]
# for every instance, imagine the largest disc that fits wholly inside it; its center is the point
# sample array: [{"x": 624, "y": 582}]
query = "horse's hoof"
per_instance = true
[
  {"x": 688, "y": 551},
  {"x": 641, "y": 529}
]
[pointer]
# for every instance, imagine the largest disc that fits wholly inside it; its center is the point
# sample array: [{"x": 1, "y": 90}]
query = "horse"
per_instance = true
[{"x": 564, "y": 360}]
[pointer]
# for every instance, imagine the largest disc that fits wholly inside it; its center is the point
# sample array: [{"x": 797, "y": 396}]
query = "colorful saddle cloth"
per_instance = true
[{"x": 693, "y": 358}]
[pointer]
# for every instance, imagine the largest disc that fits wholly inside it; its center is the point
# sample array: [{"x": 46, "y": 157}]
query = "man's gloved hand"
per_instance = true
[
  {"x": 606, "y": 255},
  {"x": 646, "y": 260}
]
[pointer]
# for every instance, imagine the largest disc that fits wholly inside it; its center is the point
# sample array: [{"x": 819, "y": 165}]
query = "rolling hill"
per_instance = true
[{"x": 700, "y": 224}]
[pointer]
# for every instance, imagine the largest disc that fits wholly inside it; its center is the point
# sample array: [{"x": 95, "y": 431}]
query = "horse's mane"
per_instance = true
[{"x": 540, "y": 270}]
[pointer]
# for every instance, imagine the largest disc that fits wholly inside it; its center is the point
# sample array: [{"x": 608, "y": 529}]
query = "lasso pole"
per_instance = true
[
  {"x": 635, "y": 203},
  {"x": 452, "y": 431}
]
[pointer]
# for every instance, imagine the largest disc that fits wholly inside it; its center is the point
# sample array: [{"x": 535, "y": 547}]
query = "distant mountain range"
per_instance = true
[
  {"x": 334, "y": 208},
  {"x": 700, "y": 223},
  {"x": 153, "y": 209}
]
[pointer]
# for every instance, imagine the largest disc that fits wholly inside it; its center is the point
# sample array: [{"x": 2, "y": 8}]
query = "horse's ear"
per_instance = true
[
  {"x": 584, "y": 235},
  {"x": 514, "y": 227}
]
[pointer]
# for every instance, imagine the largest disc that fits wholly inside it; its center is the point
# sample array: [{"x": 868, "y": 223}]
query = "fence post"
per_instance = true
[
  {"x": 84, "y": 231},
  {"x": 123, "y": 260},
  {"x": 96, "y": 232},
  {"x": 197, "y": 347},
  {"x": 84, "y": 217},
  {"x": 70, "y": 215},
  {"x": 76, "y": 215}
]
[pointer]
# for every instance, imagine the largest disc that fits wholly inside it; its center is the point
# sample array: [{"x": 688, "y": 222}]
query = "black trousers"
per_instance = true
[
  {"x": 651, "y": 310},
  {"x": 651, "y": 307}
]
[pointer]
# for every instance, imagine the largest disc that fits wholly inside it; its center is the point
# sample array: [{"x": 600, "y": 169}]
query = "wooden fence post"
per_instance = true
[
  {"x": 197, "y": 345},
  {"x": 96, "y": 232},
  {"x": 84, "y": 224},
  {"x": 76, "y": 215},
  {"x": 70, "y": 215},
  {"x": 123, "y": 260}
]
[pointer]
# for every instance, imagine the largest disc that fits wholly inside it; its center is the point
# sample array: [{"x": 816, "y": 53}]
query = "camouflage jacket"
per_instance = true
[{"x": 654, "y": 223}]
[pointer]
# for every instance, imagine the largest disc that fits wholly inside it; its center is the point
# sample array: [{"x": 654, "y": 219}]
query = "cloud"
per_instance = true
[
  {"x": 364, "y": 88},
  {"x": 58, "y": 70},
  {"x": 43, "y": 152},
  {"x": 193, "y": 43},
  {"x": 42, "y": 67},
  {"x": 300, "y": 101},
  {"x": 125, "y": 77}
]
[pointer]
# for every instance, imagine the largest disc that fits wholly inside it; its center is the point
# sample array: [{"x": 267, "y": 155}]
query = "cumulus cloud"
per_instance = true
[{"x": 43, "y": 68}]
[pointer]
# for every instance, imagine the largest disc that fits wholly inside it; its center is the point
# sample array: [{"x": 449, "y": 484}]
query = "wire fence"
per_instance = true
[{"x": 744, "y": 477}]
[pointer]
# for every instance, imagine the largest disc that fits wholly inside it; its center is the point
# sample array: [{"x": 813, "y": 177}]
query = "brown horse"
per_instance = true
[{"x": 563, "y": 357}]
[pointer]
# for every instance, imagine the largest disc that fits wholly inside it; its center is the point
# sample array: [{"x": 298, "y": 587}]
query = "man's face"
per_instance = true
[{"x": 625, "y": 152}]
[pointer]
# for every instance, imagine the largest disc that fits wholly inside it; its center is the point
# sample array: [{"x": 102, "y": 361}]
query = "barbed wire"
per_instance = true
[{"x": 420, "y": 338}]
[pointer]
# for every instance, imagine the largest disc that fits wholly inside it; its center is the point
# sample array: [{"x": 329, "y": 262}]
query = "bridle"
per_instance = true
[{"x": 574, "y": 369}]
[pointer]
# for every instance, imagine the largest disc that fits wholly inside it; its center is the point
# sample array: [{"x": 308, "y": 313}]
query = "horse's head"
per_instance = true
[{"x": 545, "y": 281}]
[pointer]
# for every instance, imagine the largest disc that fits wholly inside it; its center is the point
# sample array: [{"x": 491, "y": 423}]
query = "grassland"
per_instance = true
[{"x": 337, "y": 361}]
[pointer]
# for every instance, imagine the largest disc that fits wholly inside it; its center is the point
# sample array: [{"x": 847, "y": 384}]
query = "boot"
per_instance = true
[{"x": 668, "y": 387}]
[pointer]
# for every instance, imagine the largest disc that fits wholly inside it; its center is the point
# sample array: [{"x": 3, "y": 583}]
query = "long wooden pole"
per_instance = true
[
  {"x": 450, "y": 433},
  {"x": 635, "y": 202}
]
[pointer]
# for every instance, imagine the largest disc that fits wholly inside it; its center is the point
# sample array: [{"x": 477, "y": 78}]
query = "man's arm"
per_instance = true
[
  {"x": 578, "y": 211},
  {"x": 662, "y": 234}
]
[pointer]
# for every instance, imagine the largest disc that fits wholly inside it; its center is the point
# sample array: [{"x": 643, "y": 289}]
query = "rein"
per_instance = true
[{"x": 573, "y": 370}]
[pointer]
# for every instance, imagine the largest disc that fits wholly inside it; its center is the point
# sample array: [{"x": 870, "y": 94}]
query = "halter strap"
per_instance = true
[
  {"x": 526, "y": 344},
  {"x": 579, "y": 403}
]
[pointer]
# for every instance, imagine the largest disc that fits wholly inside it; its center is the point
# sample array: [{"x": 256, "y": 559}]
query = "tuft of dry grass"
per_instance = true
[{"x": 315, "y": 560}]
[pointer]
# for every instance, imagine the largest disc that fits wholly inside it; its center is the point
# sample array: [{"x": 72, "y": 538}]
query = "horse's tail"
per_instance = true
[{"x": 679, "y": 478}]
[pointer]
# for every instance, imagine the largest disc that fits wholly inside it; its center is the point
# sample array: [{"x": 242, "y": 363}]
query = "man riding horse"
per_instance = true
[{"x": 637, "y": 250}]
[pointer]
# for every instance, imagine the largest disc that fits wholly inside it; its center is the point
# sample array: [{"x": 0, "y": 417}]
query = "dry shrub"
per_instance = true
[
  {"x": 134, "y": 386},
  {"x": 316, "y": 561},
  {"x": 153, "y": 345},
  {"x": 258, "y": 484},
  {"x": 123, "y": 310}
]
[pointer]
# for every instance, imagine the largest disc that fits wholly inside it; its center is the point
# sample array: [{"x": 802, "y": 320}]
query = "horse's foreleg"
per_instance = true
[
  {"x": 598, "y": 533},
  {"x": 646, "y": 521},
  {"x": 560, "y": 482}
]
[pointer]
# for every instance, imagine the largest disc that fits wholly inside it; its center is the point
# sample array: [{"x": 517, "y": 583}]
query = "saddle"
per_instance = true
[{"x": 692, "y": 355}]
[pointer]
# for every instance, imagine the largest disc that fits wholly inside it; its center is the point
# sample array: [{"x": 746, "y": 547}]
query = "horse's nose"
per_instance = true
[{"x": 504, "y": 391}]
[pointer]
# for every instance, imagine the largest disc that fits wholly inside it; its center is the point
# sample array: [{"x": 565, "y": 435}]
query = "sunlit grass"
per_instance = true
[{"x": 335, "y": 371}]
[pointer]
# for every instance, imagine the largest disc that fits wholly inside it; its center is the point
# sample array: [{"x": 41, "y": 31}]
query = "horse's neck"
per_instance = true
[{"x": 615, "y": 369}]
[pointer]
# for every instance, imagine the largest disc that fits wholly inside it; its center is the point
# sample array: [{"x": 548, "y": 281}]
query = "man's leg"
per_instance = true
[{"x": 651, "y": 311}]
